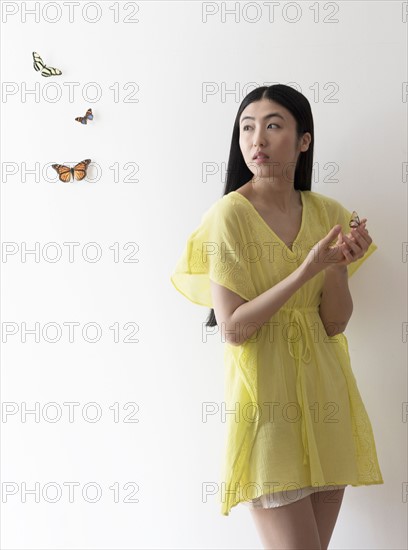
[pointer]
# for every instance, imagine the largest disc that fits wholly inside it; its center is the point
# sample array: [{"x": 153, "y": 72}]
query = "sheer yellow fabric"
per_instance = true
[
  {"x": 295, "y": 415},
  {"x": 214, "y": 251}
]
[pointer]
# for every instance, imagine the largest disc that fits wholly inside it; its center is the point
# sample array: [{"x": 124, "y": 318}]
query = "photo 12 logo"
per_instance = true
[
  {"x": 70, "y": 12},
  {"x": 68, "y": 491},
  {"x": 53, "y": 92}
]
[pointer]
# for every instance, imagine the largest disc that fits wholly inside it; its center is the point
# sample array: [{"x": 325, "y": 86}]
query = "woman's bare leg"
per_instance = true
[
  {"x": 289, "y": 527},
  {"x": 326, "y": 506}
]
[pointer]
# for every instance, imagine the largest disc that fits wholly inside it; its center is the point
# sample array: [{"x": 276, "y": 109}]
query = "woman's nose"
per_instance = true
[{"x": 259, "y": 138}]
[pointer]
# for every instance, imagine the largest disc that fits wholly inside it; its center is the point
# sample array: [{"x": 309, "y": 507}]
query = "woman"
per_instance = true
[{"x": 263, "y": 259}]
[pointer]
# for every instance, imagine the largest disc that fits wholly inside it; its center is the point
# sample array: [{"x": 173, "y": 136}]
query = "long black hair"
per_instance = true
[{"x": 238, "y": 172}]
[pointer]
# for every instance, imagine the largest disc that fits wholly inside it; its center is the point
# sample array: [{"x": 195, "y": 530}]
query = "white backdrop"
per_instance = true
[{"x": 165, "y": 80}]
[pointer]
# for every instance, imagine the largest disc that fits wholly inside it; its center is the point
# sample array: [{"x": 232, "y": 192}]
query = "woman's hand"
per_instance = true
[
  {"x": 347, "y": 249},
  {"x": 354, "y": 245}
]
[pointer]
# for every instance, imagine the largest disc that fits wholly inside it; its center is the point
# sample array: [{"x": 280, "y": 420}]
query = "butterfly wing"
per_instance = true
[
  {"x": 39, "y": 65},
  {"x": 64, "y": 172},
  {"x": 80, "y": 169},
  {"x": 84, "y": 119},
  {"x": 50, "y": 71},
  {"x": 38, "y": 62},
  {"x": 355, "y": 220}
]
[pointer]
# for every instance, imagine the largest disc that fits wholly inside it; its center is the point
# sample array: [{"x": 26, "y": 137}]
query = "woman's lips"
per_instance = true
[{"x": 261, "y": 160}]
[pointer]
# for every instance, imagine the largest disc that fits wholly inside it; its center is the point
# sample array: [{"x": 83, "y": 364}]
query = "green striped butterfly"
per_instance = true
[{"x": 39, "y": 65}]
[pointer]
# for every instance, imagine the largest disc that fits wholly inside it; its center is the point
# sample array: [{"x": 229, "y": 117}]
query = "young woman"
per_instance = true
[{"x": 272, "y": 259}]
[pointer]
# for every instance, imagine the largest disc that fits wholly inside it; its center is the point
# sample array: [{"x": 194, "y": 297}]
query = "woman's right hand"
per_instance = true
[{"x": 322, "y": 255}]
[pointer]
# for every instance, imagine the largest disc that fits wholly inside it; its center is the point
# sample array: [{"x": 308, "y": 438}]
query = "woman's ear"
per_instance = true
[{"x": 306, "y": 139}]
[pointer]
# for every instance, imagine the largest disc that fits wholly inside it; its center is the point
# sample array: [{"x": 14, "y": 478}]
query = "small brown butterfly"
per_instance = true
[
  {"x": 84, "y": 119},
  {"x": 355, "y": 220},
  {"x": 78, "y": 172}
]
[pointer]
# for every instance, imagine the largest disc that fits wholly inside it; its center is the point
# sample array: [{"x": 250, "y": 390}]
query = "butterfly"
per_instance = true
[
  {"x": 84, "y": 119},
  {"x": 355, "y": 220},
  {"x": 78, "y": 172},
  {"x": 39, "y": 65}
]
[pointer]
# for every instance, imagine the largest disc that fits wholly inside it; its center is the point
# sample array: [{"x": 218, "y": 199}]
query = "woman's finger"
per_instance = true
[
  {"x": 355, "y": 248},
  {"x": 364, "y": 235},
  {"x": 347, "y": 252},
  {"x": 360, "y": 237},
  {"x": 352, "y": 244}
]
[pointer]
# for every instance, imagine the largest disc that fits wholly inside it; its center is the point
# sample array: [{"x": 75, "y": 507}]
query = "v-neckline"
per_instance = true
[{"x": 249, "y": 203}]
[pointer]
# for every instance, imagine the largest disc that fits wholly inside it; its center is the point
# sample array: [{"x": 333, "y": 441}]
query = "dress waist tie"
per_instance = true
[{"x": 300, "y": 350}]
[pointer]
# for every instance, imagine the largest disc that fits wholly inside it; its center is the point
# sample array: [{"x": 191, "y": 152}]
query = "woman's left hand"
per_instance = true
[{"x": 355, "y": 244}]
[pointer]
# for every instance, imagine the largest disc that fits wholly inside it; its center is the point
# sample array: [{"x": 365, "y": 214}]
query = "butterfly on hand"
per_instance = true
[
  {"x": 39, "y": 65},
  {"x": 84, "y": 119},
  {"x": 355, "y": 220},
  {"x": 78, "y": 172}
]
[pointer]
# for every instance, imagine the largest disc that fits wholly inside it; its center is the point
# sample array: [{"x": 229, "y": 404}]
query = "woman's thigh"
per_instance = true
[
  {"x": 326, "y": 506},
  {"x": 292, "y": 526}
]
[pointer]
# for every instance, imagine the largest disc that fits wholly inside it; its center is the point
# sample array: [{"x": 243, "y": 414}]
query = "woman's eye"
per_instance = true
[{"x": 271, "y": 124}]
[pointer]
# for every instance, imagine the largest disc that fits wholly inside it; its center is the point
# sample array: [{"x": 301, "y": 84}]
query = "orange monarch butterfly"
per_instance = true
[
  {"x": 355, "y": 220},
  {"x": 39, "y": 65},
  {"x": 78, "y": 172},
  {"x": 84, "y": 119}
]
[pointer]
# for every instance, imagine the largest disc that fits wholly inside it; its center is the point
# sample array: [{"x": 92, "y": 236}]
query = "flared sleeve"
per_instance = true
[
  {"x": 344, "y": 217},
  {"x": 214, "y": 251}
]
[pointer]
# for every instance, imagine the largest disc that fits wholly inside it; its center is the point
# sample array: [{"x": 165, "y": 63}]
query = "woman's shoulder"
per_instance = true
[{"x": 225, "y": 207}]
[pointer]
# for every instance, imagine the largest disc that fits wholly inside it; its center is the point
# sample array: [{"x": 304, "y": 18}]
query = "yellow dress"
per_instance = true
[{"x": 296, "y": 417}]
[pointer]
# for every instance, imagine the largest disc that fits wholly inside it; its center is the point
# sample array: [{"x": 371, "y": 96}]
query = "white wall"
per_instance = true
[{"x": 349, "y": 59}]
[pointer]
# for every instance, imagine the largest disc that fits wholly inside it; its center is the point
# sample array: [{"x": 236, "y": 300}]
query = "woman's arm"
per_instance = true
[
  {"x": 336, "y": 305},
  {"x": 238, "y": 319}
]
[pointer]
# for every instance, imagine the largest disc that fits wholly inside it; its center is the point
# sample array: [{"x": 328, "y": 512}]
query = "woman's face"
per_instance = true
[{"x": 274, "y": 135}]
